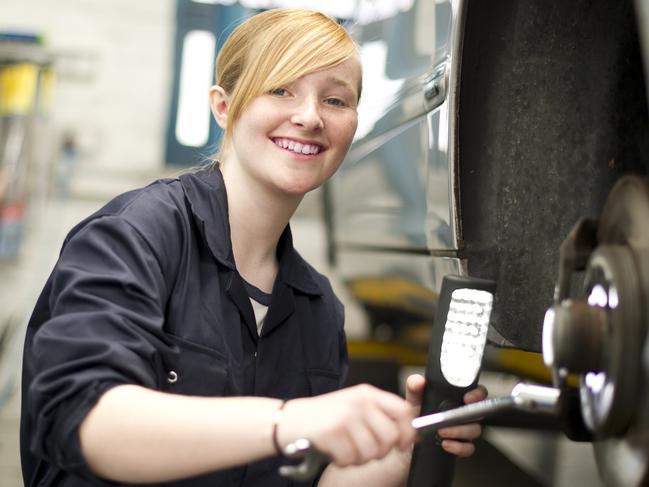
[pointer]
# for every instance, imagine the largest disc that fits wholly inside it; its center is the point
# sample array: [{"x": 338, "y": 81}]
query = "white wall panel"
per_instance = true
[{"x": 115, "y": 62}]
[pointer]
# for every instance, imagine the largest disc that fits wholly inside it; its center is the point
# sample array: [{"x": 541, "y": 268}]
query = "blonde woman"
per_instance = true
[{"x": 181, "y": 338}]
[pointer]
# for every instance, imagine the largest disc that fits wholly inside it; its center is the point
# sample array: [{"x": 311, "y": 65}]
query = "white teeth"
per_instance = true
[{"x": 297, "y": 146}]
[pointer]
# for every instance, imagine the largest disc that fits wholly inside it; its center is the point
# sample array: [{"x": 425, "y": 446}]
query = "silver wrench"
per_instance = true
[
  {"x": 524, "y": 397},
  {"x": 312, "y": 460}
]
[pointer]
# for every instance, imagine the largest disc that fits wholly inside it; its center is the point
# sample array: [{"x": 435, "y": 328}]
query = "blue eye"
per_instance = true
[
  {"x": 278, "y": 92},
  {"x": 335, "y": 102}
]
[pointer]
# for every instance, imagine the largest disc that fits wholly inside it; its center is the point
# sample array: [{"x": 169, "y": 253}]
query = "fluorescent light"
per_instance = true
[{"x": 465, "y": 335}]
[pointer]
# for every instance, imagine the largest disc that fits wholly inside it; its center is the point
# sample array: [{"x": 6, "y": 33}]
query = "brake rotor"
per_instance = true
[{"x": 615, "y": 400}]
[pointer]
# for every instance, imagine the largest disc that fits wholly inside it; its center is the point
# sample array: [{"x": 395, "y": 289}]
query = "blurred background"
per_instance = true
[{"x": 99, "y": 97}]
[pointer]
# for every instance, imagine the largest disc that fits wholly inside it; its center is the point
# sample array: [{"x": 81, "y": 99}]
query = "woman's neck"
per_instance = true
[{"x": 257, "y": 219}]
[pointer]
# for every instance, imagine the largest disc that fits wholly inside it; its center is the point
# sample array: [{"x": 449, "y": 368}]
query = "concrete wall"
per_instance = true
[{"x": 115, "y": 61}]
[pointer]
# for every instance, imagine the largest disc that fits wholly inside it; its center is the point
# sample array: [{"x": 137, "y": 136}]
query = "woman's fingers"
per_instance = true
[
  {"x": 388, "y": 417},
  {"x": 374, "y": 437},
  {"x": 457, "y": 440},
  {"x": 415, "y": 389},
  {"x": 475, "y": 395},
  {"x": 416, "y": 383},
  {"x": 459, "y": 448},
  {"x": 465, "y": 432},
  {"x": 364, "y": 445},
  {"x": 401, "y": 417},
  {"x": 386, "y": 431},
  {"x": 345, "y": 452}
]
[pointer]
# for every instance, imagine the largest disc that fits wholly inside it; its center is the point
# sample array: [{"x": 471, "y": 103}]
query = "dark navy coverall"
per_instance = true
[{"x": 146, "y": 292}]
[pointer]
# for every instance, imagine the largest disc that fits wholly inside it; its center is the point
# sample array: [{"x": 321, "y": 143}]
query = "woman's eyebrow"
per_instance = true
[{"x": 344, "y": 83}]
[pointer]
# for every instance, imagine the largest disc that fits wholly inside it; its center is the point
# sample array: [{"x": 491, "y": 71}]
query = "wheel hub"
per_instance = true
[{"x": 600, "y": 333}]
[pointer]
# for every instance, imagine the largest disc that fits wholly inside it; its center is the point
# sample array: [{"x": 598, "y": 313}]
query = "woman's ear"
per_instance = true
[{"x": 219, "y": 103}]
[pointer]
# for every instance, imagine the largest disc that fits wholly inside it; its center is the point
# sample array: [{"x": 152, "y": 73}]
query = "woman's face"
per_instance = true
[{"x": 295, "y": 137}]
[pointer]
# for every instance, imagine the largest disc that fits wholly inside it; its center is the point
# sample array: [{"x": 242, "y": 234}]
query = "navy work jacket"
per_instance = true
[{"x": 146, "y": 292}]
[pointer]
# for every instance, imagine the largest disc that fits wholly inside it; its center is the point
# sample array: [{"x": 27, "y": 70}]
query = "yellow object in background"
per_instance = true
[
  {"x": 48, "y": 81},
  {"x": 18, "y": 84}
]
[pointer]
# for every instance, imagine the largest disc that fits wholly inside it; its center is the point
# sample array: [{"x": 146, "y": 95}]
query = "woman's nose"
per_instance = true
[{"x": 307, "y": 115}]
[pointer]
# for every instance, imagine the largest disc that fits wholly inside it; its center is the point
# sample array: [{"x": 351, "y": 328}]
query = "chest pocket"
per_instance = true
[
  {"x": 322, "y": 381},
  {"x": 195, "y": 370}
]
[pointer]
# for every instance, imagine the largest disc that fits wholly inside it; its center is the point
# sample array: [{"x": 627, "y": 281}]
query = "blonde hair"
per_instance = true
[{"x": 274, "y": 48}]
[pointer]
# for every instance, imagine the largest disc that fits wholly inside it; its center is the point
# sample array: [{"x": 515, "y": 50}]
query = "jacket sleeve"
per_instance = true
[{"x": 107, "y": 296}]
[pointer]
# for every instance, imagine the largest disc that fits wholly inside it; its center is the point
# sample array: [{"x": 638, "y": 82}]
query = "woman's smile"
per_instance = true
[{"x": 298, "y": 147}]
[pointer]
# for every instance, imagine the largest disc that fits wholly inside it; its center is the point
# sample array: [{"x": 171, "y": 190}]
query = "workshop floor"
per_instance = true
[{"x": 539, "y": 460}]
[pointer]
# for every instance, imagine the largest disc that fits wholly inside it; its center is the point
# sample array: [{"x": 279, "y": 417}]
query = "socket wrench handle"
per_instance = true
[
  {"x": 524, "y": 397},
  {"x": 312, "y": 460},
  {"x": 463, "y": 414}
]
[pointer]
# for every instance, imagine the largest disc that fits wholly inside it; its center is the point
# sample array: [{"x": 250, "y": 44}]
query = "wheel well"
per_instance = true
[{"x": 552, "y": 111}]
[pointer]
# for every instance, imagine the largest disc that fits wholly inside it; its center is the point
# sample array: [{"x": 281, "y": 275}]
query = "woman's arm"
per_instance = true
[{"x": 134, "y": 434}]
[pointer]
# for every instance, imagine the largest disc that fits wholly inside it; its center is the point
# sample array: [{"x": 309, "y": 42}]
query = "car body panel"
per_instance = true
[{"x": 394, "y": 188}]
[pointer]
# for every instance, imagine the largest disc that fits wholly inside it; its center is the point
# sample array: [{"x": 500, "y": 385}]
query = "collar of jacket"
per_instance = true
[{"x": 206, "y": 193}]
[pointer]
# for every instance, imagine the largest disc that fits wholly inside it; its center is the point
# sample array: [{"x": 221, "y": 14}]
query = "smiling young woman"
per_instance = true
[
  {"x": 180, "y": 338},
  {"x": 293, "y": 138}
]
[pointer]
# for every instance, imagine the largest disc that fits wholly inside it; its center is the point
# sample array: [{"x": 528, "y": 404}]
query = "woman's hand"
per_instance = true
[
  {"x": 362, "y": 423},
  {"x": 351, "y": 426},
  {"x": 457, "y": 440}
]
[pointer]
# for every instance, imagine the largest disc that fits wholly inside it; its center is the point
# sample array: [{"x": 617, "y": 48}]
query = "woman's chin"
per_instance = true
[{"x": 299, "y": 188}]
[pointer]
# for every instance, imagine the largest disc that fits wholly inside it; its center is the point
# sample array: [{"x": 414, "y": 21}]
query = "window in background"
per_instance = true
[
  {"x": 201, "y": 27},
  {"x": 197, "y": 65}
]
